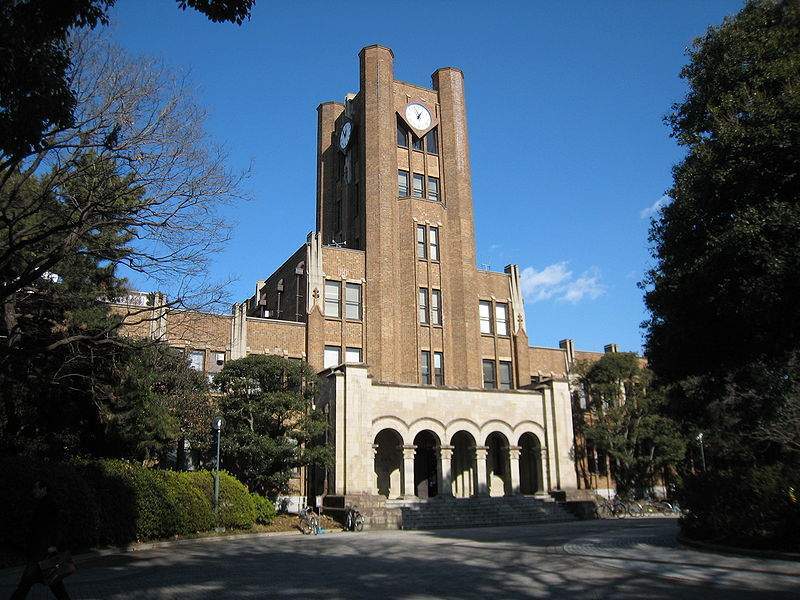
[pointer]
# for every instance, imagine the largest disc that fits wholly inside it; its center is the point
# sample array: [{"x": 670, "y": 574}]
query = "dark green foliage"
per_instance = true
[
  {"x": 237, "y": 510},
  {"x": 724, "y": 331},
  {"x": 271, "y": 425},
  {"x": 265, "y": 510}
]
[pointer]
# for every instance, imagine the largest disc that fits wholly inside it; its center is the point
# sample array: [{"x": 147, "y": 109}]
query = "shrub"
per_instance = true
[
  {"x": 265, "y": 510},
  {"x": 237, "y": 509}
]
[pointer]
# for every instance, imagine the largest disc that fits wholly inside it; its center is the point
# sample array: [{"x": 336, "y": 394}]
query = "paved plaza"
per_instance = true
[{"x": 635, "y": 558}]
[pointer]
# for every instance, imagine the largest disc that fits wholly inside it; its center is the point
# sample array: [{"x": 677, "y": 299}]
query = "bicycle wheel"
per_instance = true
[
  {"x": 635, "y": 509},
  {"x": 620, "y": 510},
  {"x": 359, "y": 522},
  {"x": 314, "y": 524},
  {"x": 305, "y": 526},
  {"x": 603, "y": 510}
]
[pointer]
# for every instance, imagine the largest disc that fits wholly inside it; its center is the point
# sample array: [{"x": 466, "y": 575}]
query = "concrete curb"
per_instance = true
[{"x": 793, "y": 556}]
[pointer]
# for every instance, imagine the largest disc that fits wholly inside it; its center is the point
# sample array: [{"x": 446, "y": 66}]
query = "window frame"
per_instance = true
[
  {"x": 425, "y": 367},
  {"x": 500, "y": 383},
  {"x": 414, "y": 178},
  {"x": 325, "y": 351},
  {"x": 359, "y": 304},
  {"x": 498, "y": 321},
  {"x": 488, "y": 320},
  {"x": 197, "y": 353},
  {"x": 350, "y": 349},
  {"x": 438, "y": 372},
  {"x": 419, "y": 144},
  {"x": 327, "y": 301},
  {"x": 423, "y": 303},
  {"x": 405, "y": 174},
  {"x": 428, "y": 194},
  {"x": 422, "y": 245},
  {"x": 489, "y": 362},
  {"x": 435, "y": 307},
  {"x": 401, "y": 128},
  {"x": 432, "y": 134},
  {"x": 433, "y": 232}
]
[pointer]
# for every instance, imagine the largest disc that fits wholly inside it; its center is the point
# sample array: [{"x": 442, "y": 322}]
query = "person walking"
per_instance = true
[{"x": 43, "y": 540}]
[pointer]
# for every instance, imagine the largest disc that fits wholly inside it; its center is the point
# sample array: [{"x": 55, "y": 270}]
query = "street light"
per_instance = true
[
  {"x": 217, "y": 423},
  {"x": 702, "y": 452}
]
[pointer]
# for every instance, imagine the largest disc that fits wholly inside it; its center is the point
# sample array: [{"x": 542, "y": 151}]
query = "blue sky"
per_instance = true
[{"x": 565, "y": 103}]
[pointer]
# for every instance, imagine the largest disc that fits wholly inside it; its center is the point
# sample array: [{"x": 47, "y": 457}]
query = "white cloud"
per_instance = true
[
  {"x": 653, "y": 209},
  {"x": 556, "y": 282}
]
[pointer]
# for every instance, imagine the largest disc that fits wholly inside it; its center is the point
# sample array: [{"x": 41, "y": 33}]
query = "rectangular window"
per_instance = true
[
  {"x": 352, "y": 355},
  {"x": 402, "y": 134},
  {"x": 489, "y": 378},
  {"x": 422, "y": 242},
  {"x": 432, "y": 141},
  {"x": 423, "y": 306},
  {"x": 333, "y": 357},
  {"x": 419, "y": 186},
  {"x": 505, "y": 375},
  {"x": 219, "y": 359},
  {"x": 402, "y": 183},
  {"x": 333, "y": 298},
  {"x": 501, "y": 317},
  {"x": 416, "y": 143},
  {"x": 436, "y": 307},
  {"x": 434, "y": 241},
  {"x": 438, "y": 368},
  {"x": 352, "y": 301},
  {"x": 485, "y": 314},
  {"x": 425, "y": 365},
  {"x": 433, "y": 189},
  {"x": 197, "y": 359}
]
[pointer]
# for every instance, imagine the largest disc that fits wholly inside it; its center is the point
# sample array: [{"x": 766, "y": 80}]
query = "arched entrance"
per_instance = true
[
  {"x": 426, "y": 476},
  {"x": 463, "y": 465},
  {"x": 389, "y": 463},
  {"x": 530, "y": 464},
  {"x": 498, "y": 465}
]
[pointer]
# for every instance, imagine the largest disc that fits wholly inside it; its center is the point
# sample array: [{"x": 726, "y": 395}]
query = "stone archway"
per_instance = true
[
  {"x": 498, "y": 476},
  {"x": 389, "y": 476},
  {"x": 464, "y": 473},
  {"x": 426, "y": 469},
  {"x": 530, "y": 465}
]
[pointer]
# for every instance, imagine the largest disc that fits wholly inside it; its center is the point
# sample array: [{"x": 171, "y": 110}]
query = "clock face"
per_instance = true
[
  {"x": 344, "y": 136},
  {"x": 418, "y": 116}
]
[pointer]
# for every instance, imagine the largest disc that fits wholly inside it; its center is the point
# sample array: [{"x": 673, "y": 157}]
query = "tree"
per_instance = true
[
  {"x": 271, "y": 424},
  {"x": 622, "y": 419},
  {"x": 724, "y": 329},
  {"x": 35, "y": 58}
]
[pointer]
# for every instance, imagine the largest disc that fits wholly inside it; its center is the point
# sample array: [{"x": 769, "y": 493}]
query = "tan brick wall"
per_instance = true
[{"x": 267, "y": 336}]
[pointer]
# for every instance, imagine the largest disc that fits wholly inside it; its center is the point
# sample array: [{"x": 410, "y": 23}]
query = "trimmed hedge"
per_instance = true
[{"x": 112, "y": 502}]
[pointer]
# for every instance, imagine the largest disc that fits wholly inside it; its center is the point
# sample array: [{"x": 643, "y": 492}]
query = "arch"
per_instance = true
[
  {"x": 496, "y": 426},
  {"x": 528, "y": 427},
  {"x": 530, "y": 464},
  {"x": 390, "y": 422},
  {"x": 426, "y": 464},
  {"x": 466, "y": 425},
  {"x": 498, "y": 464},
  {"x": 463, "y": 464},
  {"x": 388, "y": 447},
  {"x": 426, "y": 423}
]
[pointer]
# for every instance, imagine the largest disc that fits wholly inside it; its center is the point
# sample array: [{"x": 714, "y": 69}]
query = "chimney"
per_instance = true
[{"x": 569, "y": 346}]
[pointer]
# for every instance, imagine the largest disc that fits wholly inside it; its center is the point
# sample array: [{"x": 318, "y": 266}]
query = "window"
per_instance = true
[
  {"x": 333, "y": 357},
  {"x": 432, "y": 141},
  {"x": 352, "y": 301},
  {"x": 505, "y": 375},
  {"x": 423, "y": 306},
  {"x": 422, "y": 242},
  {"x": 489, "y": 378},
  {"x": 433, "y": 189},
  {"x": 485, "y": 314},
  {"x": 419, "y": 185},
  {"x": 352, "y": 355},
  {"x": 333, "y": 297},
  {"x": 197, "y": 359},
  {"x": 416, "y": 143},
  {"x": 402, "y": 134},
  {"x": 425, "y": 364},
  {"x": 402, "y": 183},
  {"x": 501, "y": 317},
  {"x": 434, "y": 241},
  {"x": 219, "y": 359},
  {"x": 436, "y": 307},
  {"x": 438, "y": 368}
]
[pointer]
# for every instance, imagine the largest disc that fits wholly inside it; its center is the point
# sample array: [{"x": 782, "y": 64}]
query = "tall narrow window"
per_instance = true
[
  {"x": 416, "y": 143},
  {"x": 433, "y": 236},
  {"x": 489, "y": 379},
  {"x": 433, "y": 189},
  {"x": 352, "y": 355},
  {"x": 422, "y": 242},
  {"x": 197, "y": 359},
  {"x": 419, "y": 185},
  {"x": 352, "y": 301},
  {"x": 332, "y": 357},
  {"x": 485, "y": 314},
  {"x": 402, "y": 183},
  {"x": 402, "y": 134},
  {"x": 505, "y": 375},
  {"x": 423, "y": 306},
  {"x": 425, "y": 367},
  {"x": 438, "y": 368},
  {"x": 436, "y": 307},
  {"x": 333, "y": 298},
  {"x": 501, "y": 317},
  {"x": 432, "y": 141}
]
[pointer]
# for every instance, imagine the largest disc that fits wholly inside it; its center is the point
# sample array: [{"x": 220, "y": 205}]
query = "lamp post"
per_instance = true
[
  {"x": 217, "y": 423},
  {"x": 702, "y": 452}
]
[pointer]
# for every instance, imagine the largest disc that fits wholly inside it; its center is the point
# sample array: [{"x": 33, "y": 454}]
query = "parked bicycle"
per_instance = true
[
  {"x": 309, "y": 521},
  {"x": 354, "y": 520}
]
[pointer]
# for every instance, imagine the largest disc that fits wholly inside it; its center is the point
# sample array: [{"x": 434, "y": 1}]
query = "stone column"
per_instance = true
[
  {"x": 446, "y": 480},
  {"x": 480, "y": 465},
  {"x": 408, "y": 470},
  {"x": 513, "y": 459},
  {"x": 374, "y": 486},
  {"x": 544, "y": 480}
]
